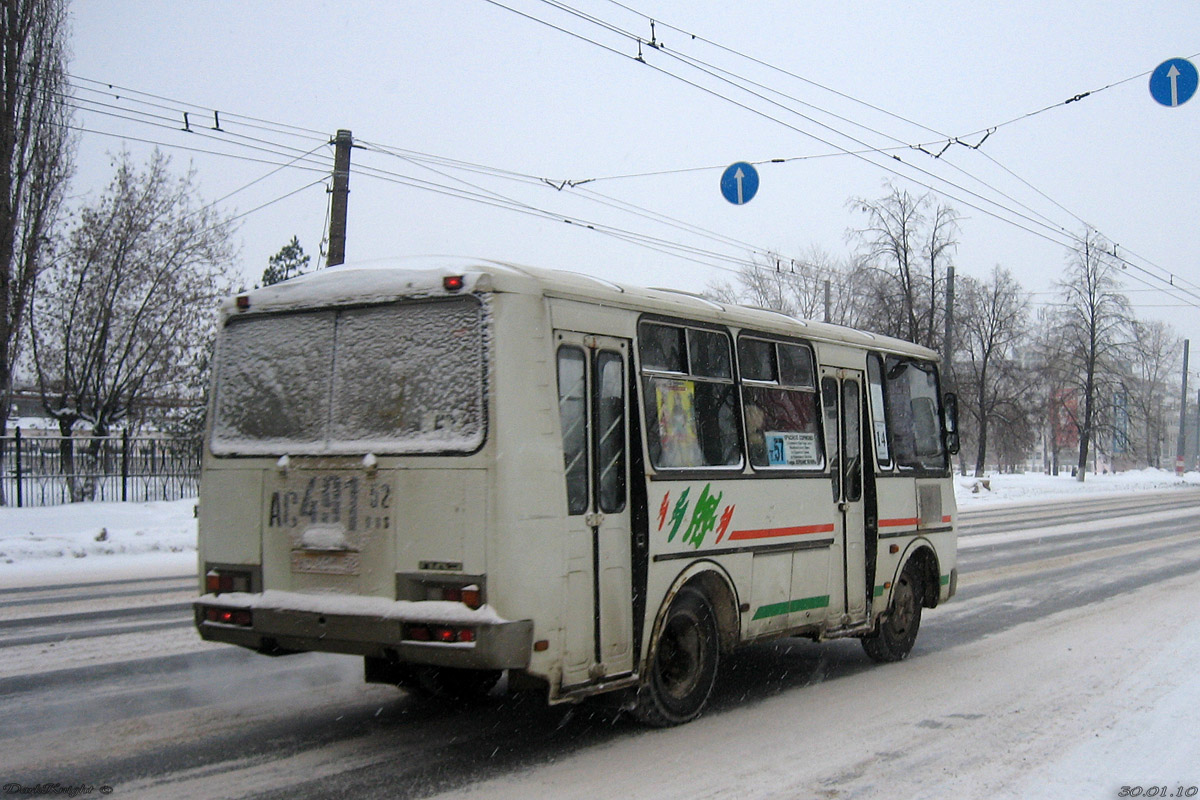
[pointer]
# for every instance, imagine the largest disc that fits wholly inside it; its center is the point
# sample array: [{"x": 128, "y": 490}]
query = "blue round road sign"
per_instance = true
[
  {"x": 1173, "y": 82},
  {"x": 739, "y": 183}
]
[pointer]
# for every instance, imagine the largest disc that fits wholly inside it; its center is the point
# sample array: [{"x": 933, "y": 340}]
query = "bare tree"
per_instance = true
[
  {"x": 797, "y": 287},
  {"x": 1092, "y": 334},
  {"x": 1156, "y": 352},
  {"x": 36, "y": 152},
  {"x": 128, "y": 312},
  {"x": 909, "y": 240},
  {"x": 993, "y": 323}
]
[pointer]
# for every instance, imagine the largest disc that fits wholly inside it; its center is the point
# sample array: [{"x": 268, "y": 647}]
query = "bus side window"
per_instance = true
[
  {"x": 691, "y": 399},
  {"x": 610, "y": 432},
  {"x": 779, "y": 399},
  {"x": 572, "y": 412},
  {"x": 829, "y": 400},
  {"x": 912, "y": 414},
  {"x": 883, "y": 450},
  {"x": 852, "y": 441}
]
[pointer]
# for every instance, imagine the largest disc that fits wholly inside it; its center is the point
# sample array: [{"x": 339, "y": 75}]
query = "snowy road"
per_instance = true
[{"x": 1064, "y": 668}]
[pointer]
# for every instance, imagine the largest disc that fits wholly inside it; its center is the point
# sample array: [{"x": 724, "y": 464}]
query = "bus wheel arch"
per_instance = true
[
  {"x": 926, "y": 560},
  {"x": 914, "y": 587},
  {"x": 697, "y": 622}
]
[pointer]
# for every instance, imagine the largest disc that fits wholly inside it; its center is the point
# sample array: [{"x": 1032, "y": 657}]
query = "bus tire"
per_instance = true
[
  {"x": 897, "y": 631},
  {"x": 684, "y": 669}
]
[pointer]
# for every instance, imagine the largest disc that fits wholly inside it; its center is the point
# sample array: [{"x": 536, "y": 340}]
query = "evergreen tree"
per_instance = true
[{"x": 290, "y": 262}]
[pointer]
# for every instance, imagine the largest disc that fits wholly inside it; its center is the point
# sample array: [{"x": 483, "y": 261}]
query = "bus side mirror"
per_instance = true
[{"x": 950, "y": 422}]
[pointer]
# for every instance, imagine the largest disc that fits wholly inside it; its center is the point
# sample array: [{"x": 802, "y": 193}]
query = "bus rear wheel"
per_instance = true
[
  {"x": 893, "y": 639},
  {"x": 684, "y": 668}
]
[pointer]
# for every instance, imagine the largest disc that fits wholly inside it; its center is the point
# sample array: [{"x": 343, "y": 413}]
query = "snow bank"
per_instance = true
[
  {"x": 971, "y": 492},
  {"x": 82, "y": 541}
]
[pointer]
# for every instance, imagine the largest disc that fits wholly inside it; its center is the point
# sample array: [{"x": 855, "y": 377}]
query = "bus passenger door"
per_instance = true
[
  {"x": 594, "y": 410},
  {"x": 841, "y": 397}
]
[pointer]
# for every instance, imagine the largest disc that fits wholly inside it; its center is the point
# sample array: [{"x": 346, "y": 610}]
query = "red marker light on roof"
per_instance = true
[
  {"x": 453, "y": 283},
  {"x": 243, "y": 302}
]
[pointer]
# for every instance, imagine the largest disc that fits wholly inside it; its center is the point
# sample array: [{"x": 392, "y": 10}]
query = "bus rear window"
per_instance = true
[{"x": 403, "y": 378}]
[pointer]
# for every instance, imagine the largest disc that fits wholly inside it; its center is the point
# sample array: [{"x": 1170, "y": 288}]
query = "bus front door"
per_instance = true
[
  {"x": 841, "y": 396},
  {"x": 594, "y": 411}
]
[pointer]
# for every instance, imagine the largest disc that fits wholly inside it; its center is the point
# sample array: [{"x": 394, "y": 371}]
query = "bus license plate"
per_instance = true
[{"x": 352, "y": 502}]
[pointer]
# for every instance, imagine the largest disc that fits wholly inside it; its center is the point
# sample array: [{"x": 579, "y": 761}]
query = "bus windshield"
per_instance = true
[{"x": 406, "y": 378}]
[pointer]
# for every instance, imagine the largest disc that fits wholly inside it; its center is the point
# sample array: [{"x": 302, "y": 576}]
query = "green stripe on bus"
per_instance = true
[
  {"x": 945, "y": 580},
  {"x": 879, "y": 591},
  {"x": 775, "y": 609}
]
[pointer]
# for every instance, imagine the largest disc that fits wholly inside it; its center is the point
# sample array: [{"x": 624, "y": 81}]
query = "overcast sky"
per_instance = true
[{"x": 471, "y": 81}]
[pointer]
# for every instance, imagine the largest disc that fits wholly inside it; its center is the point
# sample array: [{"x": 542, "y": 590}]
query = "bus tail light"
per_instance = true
[
  {"x": 445, "y": 634},
  {"x": 471, "y": 596},
  {"x": 229, "y": 616},
  {"x": 226, "y": 581}
]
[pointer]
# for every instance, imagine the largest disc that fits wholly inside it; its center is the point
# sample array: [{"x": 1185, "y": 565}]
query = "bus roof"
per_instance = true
[{"x": 407, "y": 278}]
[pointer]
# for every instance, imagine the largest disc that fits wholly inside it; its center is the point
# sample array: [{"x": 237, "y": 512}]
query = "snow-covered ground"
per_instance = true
[
  {"x": 1033, "y": 487},
  {"x": 96, "y": 541}
]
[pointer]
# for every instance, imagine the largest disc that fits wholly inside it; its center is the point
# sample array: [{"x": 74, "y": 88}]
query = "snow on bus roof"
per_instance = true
[{"x": 385, "y": 280}]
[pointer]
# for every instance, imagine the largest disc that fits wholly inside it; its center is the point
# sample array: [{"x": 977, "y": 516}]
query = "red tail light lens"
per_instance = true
[
  {"x": 453, "y": 283},
  {"x": 443, "y": 634},
  {"x": 229, "y": 616},
  {"x": 219, "y": 581}
]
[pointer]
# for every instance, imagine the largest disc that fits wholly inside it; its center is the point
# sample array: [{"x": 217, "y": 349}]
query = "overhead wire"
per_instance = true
[
  {"x": 267, "y": 146},
  {"x": 160, "y": 121},
  {"x": 277, "y": 199},
  {"x": 1072, "y": 239},
  {"x": 809, "y": 134},
  {"x": 598, "y": 197}
]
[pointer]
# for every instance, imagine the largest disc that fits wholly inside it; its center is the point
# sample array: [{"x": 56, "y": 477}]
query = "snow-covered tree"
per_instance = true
[{"x": 128, "y": 310}]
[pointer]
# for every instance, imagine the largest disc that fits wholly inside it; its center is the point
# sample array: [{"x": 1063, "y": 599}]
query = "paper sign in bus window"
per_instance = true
[
  {"x": 792, "y": 449},
  {"x": 677, "y": 424}
]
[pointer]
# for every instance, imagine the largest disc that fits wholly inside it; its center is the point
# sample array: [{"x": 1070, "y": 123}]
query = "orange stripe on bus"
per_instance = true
[
  {"x": 896, "y": 523},
  {"x": 767, "y": 533}
]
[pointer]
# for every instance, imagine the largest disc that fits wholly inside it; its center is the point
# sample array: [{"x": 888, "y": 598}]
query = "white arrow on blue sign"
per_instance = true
[
  {"x": 739, "y": 183},
  {"x": 1173, "y": 82}
]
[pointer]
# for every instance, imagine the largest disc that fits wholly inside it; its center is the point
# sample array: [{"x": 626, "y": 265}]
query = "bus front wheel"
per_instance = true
[
  {"x": 897, "y": 631},
  {"x": 684, "y": 668}
]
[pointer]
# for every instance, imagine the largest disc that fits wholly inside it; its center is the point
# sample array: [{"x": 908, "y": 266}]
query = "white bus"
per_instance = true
[{"x": 461, "y": 470}]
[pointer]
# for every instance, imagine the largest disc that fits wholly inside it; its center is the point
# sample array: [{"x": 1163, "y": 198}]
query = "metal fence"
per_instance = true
[{"x": 49, "y": 470}]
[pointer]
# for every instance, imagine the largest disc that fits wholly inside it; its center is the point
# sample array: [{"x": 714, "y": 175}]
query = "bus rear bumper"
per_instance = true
[{"x": 252, "y": 623}]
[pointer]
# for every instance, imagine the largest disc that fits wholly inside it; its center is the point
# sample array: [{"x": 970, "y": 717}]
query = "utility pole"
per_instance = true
[
  {"x": 341, "y": 193},
  {"x": 947, "y": 338},
  {"x": 1196, "y": 454},
  {"x": 1181, "y": 442},
  {"x": 828, "y": 314}
]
